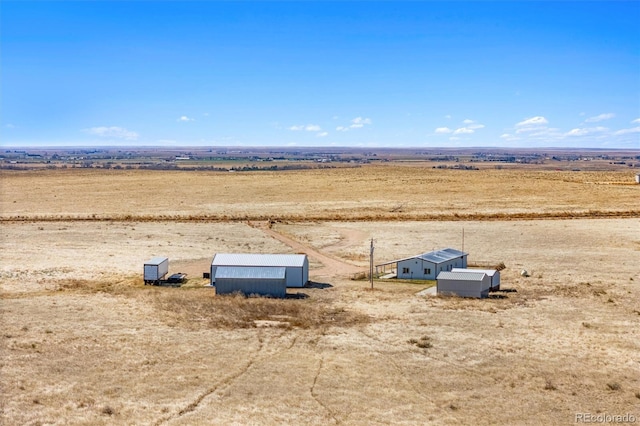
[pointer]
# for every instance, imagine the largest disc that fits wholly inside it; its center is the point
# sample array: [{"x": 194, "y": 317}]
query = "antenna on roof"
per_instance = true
[{"x": 463, "y": 238}]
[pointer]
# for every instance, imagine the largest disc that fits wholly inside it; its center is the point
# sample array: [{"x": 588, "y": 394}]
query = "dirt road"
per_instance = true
[{"x": 332, "y": 266}]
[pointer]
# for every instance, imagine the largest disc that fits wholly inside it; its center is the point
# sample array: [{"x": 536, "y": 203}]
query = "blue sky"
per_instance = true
[{"x": 392, "y": 74}]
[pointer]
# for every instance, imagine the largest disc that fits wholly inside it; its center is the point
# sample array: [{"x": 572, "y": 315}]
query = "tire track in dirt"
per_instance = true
[
  {"x": 225, "y": 383},
  {"x": 400, "y": 370},
  {"x": 316, "y": 398},
  {"x": 449, "y": 364}
]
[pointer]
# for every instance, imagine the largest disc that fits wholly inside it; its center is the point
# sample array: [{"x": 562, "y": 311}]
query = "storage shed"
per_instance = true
[
  {"x": 427, "y": 266},
  {"x": 464, "y": 284},
  {"x": 263, "y": 281},
  {"x": 493, "y": 274},
  {"x": 297, "y": 265}
]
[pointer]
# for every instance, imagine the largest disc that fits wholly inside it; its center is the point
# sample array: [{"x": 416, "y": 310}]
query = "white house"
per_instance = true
[{"x": 427, "y": 266}]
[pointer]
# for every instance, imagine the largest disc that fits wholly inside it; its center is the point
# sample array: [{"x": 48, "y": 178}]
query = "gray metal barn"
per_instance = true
[
  {"x": 262, "y": 281},
  {"x": 297, "y": 265},
  {"x": 464, "y": 284},
  {"x": 493, "y": 274},
  {"x": 427, "y": 266}
]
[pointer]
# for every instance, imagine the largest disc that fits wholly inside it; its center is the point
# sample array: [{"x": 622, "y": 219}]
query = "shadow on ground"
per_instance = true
[{"x": 313, "y": 284}]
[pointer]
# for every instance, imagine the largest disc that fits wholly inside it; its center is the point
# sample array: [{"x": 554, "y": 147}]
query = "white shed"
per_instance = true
[
  {"x": 492, "y": 273},
  {"x": 464, "y": 284},
  {"x": 263, "y": 281},
  {"x": 297, "y": 265}
]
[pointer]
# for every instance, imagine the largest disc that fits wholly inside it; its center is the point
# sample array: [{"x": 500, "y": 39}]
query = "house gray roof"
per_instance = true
[
  {"x": 436, "y": 256},
  {"x": 251, "y": 272},
  {"x": 440, "y": 256},
  {"x": 461, "y": 276},
  {"x": 243, "y": 259}
]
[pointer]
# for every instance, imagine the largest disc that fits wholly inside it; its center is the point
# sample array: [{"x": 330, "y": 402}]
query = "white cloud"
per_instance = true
[
  {"x": 586, "y": 131},
  {"x": 627, "y": 131},
  {"x": 112, "y": 132},
  {"x": 443, "y": 130},
  {"x": 322, "y": 134},
  {"x": 448, "y": 116},
  {"x": 533, "y": 121},
  {"x": 463, "y": 130},
  {"x": 308, "y": 128},
  {"x": 185, "y": 119},
  {"x": 360, "y": 120},
  {"x": 472, "y": 124},
  {"x": 600, "y": 117},
  {"x": 10, "y": 126},
  {"x": 637, "y": 120},
  {"x": 206, "y": 114},
  {"x": 577, "y": 132},
  {"x": 356, "y": 123}
]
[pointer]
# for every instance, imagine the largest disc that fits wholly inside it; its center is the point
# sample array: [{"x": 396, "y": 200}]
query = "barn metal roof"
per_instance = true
[
  {"x": 436, "y": 256},
  {"x": 490, "y": 272},
  {"x": 155, "y": 260},
  {"x": 253, "y": 272},
  {"x": 462, "y": 276},
  {"x": 242, "y": 259}
]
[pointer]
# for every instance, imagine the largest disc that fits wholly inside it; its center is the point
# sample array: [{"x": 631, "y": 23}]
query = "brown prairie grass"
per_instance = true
[
  {"x": 201, "y": 308},
  {"x": 365, "y": 194}
]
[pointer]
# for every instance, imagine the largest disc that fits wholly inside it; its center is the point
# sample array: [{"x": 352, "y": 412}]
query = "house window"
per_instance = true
[
  {"x": 405, "y": 270},
  {"x": 427, "y": 271}
]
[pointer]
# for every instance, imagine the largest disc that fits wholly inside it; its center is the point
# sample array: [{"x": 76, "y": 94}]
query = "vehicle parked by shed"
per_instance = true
[
  {"x": 155, "y": 269},
  {"x": 494, "y": 274},
  {"x": 251, "y": 280},
  {"x": 463, "y": 284}
]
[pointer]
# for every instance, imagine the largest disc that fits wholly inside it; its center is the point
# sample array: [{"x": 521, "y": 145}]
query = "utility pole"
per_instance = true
[
  {"x": 463, "y": 239},
  {"x": 371, "y": 264}
]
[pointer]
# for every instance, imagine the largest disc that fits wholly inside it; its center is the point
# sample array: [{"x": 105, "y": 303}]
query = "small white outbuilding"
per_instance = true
[
  {"x": 463, "y": 284},
  {"x": 492, "y": 273}
]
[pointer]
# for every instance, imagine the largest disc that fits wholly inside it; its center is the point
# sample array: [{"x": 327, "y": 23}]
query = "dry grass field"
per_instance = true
[
  {"x": 376, "y": 192},
  {"x": 85, "y": 342}
]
